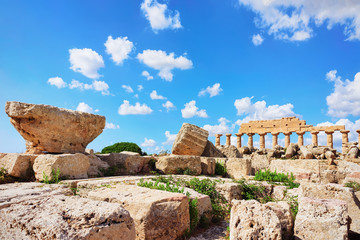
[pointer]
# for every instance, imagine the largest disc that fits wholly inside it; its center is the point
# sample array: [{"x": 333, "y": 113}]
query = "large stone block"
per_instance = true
[
  {"x": 71, "y": 166},
  {"x": 238, "y": 168},
  {"x": 96, "y": 166},
  {"x": 230, "y": 191},
  {"x": 229, "y": 151},
  {"x": 18, "y": 165},
  {"x": 173, "y": 164},
  {"x": 124, "y": 162},
  {"x": 157, "y": 214},
  {"x": 208, "y": 165},
  {"x": 338, "y": 192},
  {"x": 321, "y": 219},
  {"x": 253, "y": 220},
  {"x": 54, "y": 130},
  {"x": 211, "y": 151},
  {"x": 41, "y": 213},
  {"x": 306, "y": 153},
  {"x": 191, "y": 140}
]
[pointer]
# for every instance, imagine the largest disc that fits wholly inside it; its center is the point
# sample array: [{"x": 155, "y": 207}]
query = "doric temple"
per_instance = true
[{"x": 286, "y": 126}]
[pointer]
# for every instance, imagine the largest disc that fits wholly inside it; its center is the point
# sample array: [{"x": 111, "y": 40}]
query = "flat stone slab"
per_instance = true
[
  {"x": 238, "y": 168},
  {"x": 173, "y": 164},
  {"x": 38, "y": 211},
  {"x": 18, "y": 165},
  {"x": 55, "y": 130},
  {"x": 157, "y": 214}
]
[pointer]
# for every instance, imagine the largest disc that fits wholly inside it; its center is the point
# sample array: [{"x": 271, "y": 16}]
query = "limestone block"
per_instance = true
[
  {"x": 191, "y": 140},
  {"x": 124, "y": 162},
  {"x": 207, "y": 165},
  {"x": 258, "y": 162},
  {"x": 253, "y": 220},
  {"x": 173, "y": 163},
  {"x": 291, "y": 150},
  {"x": 211, "y": 151},
  {"x": 321, "y": 219},
  {"x": 279, "y": 192},
  {"x": 244, "y": 150},
  {"x": 352, "y": 177},
  {"x": 338, "y": 192},
  {"x": 18, "y": 165},
  {"x": 332, "y": 176},
  {"x": 54, "y": 130},
  {"x": 157, "y": 214},
  {"x": 203, "y": 206},
  {"x": 72, "y": 166},
  {"x": 306, "y": 153},
  {"x": 238, "y": 168},
  {"x": 230, "y": 191},
  {"x": 352, "y": 153},
  {"x": 229, "y": 151},
  {"x": 55, "y": 216},
  {"x": 95, "y": 165}
]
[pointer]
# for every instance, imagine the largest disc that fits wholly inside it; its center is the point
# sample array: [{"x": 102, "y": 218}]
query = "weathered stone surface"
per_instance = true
[
  {"x": 253, "y": 220},
  {"x": 244, "y": 150},
  {"x": 191, "y": 140},
  {"x": 238, "y": 168},
  {"x": 157, "y": 214},
  {"x": 208, "y": 165},
  {"x": 258, "y": 162},
  {"x": 211, "y": 151},
  {"x": 95, "y": 165},
  {"x": 37, "y": 211},
  {"x": 230, "y": 191},
  {"x": 18, "y": 165},
  {"x": 321, "y": 219},
  {"x": 229, "y": 151},
  {"x": 335, "y": 191},
  {"x": 279, "y": 192},
  {"x": 172, "y": 164},
  {"x": 332, "y": 176},
  {"x": 72, "y": 166},
  {"x": 306, "y": 153},
  {"x": 124, "y": 162},
  {"x": 352, "y": 153},
  {"x": 203, "y": 205},
  {"x": 291, "y": 150},
  {"x": 55, "y": 130}
]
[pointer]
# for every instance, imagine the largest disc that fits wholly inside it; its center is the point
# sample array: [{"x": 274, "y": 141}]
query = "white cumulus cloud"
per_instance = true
[
  {"x": 154, "y": 96},
  {"x": 260, "y": 111},
  {"x": 191, "y": 110},
  {"x": 86, "y": 62},
  {"x": 57, "y": 81},
  {"x": 295, "y": 20},
  {"x": 140, "y": 88},
  {"x": 168, "y": 105},
  {"x": 99, "y": 86},
  {"x": 221, "y": 128},
  {"x": 159, "y": 16},
  {"x": 257, "y": 39},
  {"x": 111, "y": 126},
  {"x": 119, "y": 49},
  {"x": 83, "y": 107},
  {"x": 137, "y": 109},
  {"x": 170, "y": 138},
  {"x": 345, "y": 99},
  {"x": 164, "y": 62},
  {"x": 212, "y": 91},
  {"x": 148, "y": 143},
  {"x": 127, "y": 88},
  {"x": 147, "y": 75}
]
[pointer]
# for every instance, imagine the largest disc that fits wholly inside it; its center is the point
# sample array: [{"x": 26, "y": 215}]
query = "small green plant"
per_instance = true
[
  {"x": 272, "y": 177},
  {"x": 194, "y": 218},
  {"x": 294, "y": 205},
  {"x": 55, "y": 177},
  {"x": 252, "y": 191},
  {"x": 353, "y": 185},
  {"x": 4, "y": 177},
  {"x": 220, "y": 169}
]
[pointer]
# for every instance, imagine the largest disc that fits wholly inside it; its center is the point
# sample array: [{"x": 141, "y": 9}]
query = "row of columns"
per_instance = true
[{"x": 275, "y": 135}]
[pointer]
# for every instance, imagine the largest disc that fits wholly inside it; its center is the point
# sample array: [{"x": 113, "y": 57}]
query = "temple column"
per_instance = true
[
  {"x": 314, "y": 137},
  {"x": 228, "y": 139},
  {"x": 345, "y": 139},
  {"x": 300, "y": 138},
  {"x": 262, "y": 140},
  {"x": 238, "y": 138},
  {"x": 250, "y": 140},
  {"x": 329, "y": 138},
  {"x": 287, "y": 139},
  {"x": 358, "y": 131},
  {"x": 274, "y": 139},
  {"x": 217, "y": 139}
]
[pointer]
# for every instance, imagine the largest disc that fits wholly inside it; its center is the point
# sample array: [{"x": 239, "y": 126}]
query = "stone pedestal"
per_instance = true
[
  {"x": 315, "y": 137},
  {"x": 262, "y": 140},
  {"x": 287, "y": 138},
  {"x": 329, "y": 138},
  {"x": 217, "y": 139},
  {"x": 274, "y": 139},
  {"x": 238, "y": 138},
  {"x": 250, "y": 140},
  {"x": 228, "y": 139},
  {"x": 300, "y": 138},
  {"x": 345, "y": 139}
]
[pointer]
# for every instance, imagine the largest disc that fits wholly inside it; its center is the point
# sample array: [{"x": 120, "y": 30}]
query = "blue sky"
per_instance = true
[{"x": 149, "y": 66}]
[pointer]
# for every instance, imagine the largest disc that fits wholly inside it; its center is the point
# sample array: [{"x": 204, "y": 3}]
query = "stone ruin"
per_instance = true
[{"x": 90, "y": 205}]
